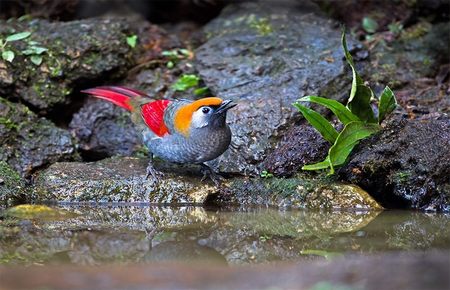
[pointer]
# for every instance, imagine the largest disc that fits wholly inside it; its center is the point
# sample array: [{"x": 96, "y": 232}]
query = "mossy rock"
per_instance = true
[
  {"x": 12, "y": 186},
  {"x": 28, "y": 142}
]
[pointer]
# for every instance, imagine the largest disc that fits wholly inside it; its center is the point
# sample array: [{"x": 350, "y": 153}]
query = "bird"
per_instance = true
[{"x": 178, "y": 131}]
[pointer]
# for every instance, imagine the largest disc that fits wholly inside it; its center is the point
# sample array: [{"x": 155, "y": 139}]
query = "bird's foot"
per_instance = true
[
  {"x": 209, "y": 173},
  {"x": 153, "y": 174}
]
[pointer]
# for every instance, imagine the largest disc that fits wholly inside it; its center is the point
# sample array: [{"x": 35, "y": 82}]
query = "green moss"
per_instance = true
[
  {"x": 416, "y": 31},
  {"x": 261, "y": 25},
  {"x": 8, "y": 123},
  {"x": 12, "y": 187}
]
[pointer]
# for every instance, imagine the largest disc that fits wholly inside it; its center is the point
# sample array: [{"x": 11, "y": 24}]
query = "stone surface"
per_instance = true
[
  {"x": 79, "y": 53},
  {"x": 416, "y": 67},
  {"x": 123, "y": 180},
  {"x": 265, "y": 57},
  {"x": 406, "y": 165},
  {"x": 300, "y": 146},
  {"x": 119, "y": 179},
  {"x": 294, "y": 193},
  {"x": 28, "y": 142},
  {"x": 103, "y": 129}
]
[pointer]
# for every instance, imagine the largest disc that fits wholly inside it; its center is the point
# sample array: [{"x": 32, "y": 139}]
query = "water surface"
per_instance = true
[{"x": 94, "y": 235}]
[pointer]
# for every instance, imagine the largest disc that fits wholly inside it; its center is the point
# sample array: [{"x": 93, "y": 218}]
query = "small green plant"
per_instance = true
[
  {"x": 266, "y": 174},
  {"x": 369, "y": 24},
  {"x": 358, "y": 118},
  {"x": 33, "y": 49},
  {"x": 186, "y": 82},
  {"x": 132, "y": 40},
  {"x": 175, "y": 55},
  {"x": 8, "y": 54}
]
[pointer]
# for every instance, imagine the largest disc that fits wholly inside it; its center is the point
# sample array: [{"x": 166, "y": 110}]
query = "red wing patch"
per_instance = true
[{"x": 153, "y": 115}]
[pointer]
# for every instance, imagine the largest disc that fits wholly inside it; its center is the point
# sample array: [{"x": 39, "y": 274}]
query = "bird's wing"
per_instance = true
[{"x": 153, "y": 115}]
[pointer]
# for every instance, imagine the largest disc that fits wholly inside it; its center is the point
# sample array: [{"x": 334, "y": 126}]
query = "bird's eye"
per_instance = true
[{"x": 205, "y": 110}]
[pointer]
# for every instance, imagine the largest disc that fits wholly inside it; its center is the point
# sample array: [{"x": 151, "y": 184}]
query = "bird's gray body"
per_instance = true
[{"x": 203, "y": 144}]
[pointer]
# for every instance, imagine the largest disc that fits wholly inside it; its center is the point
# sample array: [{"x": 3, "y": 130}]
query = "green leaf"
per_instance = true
[
  {"x": 360, "y": 94},
  {"x": 34, "y": 50},
  {"x": 387, "y": 103},
  {"x": 185, "y": 82},
  {"x": 18, "y": 36},
  {"x": 360, "y": 105},
  {"x": 170, "y": 64},
  {"x": 36, "y": 59},
  {"x": 318, "y": 122},
  {"x": 201, "y": 91},
  {"x": 132, "y": 40},
  {"x": 348, "y": 138},
  {"x": 343, "y": 114},
  {"x": 8, "y": 55},
  {"x": 369, "y": 24},
  {"x": 319, "y": 165}
]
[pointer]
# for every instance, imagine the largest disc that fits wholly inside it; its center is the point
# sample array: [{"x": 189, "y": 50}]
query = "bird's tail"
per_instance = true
[{"x": 120, "y": 96}]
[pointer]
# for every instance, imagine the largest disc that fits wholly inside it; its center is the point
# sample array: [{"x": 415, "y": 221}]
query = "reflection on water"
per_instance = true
[{"x": 87, "y": 235}]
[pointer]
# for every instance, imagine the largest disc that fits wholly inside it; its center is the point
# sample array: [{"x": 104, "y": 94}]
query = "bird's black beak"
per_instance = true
[{"x": 225, "y": 106}]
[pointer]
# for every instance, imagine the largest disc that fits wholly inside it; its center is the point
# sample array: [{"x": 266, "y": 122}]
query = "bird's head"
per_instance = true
[{"x": 206, "y": 112}]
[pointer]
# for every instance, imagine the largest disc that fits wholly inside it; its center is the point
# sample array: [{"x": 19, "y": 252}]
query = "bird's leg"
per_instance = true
[
  {"x": 152, "y": 172},
  {"x": 208, "y": 172}
]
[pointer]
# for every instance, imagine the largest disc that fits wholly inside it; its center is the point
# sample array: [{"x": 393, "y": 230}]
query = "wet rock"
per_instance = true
[
  {"x": 266, "y": 56},
  {"x": 120, "y": 179},
  {"x": 294, "y": 193},
  {"x": 416, "y": 67},
  {"x": 78, "y": 52},
  {"x": 103, "y": 129},
  {"x": 28, "y": 142},
  {"x": 300, "y": 146},
  {"x": 406, "y": 165},
  {"x": 12, "y": 187}
]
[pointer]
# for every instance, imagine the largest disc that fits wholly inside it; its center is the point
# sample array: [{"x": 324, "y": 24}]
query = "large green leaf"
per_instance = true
[
  {"x": 387, "y": 103},
  {"x": 347, "y": 140},
  {"x": 360, "y": 94},
  {"x": 343, "y": 114},
  {"x": 320, "y": 123}
]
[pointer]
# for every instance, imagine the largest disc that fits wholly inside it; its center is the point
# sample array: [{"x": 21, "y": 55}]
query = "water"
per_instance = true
[{"x": 99, "y": 235}]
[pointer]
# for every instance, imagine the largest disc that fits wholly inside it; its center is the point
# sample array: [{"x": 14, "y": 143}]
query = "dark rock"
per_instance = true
[
  {"x": 103, "y": 129},
  {"x": 266, "y": 56},
  {"x": 416, "y": 67},
  {"x": 79, "y": 52},
  {"x": 28, "y": 142},
  {"x": 300, "y": 146},
  {"x": 406, "y": 165},
  {"x": 12, "y": 186}
]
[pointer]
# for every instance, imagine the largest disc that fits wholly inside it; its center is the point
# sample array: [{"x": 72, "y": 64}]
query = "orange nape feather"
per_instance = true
[{"x": 183, "y": 116}]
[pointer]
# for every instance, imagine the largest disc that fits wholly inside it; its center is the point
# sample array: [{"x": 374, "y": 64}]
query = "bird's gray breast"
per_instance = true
[{"x": 203, "y": 144}]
